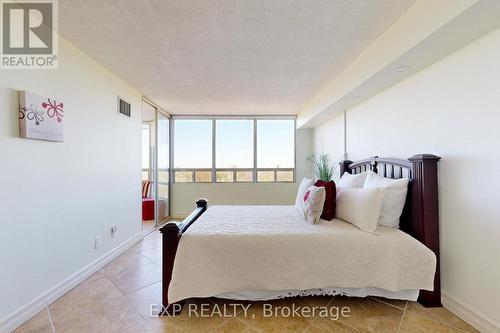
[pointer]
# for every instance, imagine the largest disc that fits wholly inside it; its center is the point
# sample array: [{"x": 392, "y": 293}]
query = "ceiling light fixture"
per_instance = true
[
  {"x": 355, "y": 97},
  {"x": 401, "y": 68}
]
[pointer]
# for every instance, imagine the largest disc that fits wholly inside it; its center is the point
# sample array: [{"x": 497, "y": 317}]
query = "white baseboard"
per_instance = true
[
  {"x": 472, "y": 317},
  {"x": 23, "y": 314}
]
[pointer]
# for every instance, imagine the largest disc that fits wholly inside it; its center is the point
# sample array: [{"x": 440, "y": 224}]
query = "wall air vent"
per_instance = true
[{"x": 123, "y": 107}]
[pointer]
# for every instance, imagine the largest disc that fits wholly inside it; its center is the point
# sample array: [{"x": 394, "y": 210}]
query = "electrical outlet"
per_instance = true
[
  {"x": 97, "y": 242},
  {"x": 112, "y": 231}
]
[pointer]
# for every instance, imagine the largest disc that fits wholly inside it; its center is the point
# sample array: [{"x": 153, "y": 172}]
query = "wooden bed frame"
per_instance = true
[{"x": 420, "y": 216}]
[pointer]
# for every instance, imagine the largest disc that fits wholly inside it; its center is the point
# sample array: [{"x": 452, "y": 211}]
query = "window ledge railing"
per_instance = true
[{"x": 228, "y": 175}]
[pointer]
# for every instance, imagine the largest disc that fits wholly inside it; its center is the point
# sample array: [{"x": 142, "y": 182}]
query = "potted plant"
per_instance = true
[{"x": 323, "y": 167}]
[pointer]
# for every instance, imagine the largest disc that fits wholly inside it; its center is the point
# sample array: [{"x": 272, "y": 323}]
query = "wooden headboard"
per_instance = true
[{"x": 420, "y": 216}]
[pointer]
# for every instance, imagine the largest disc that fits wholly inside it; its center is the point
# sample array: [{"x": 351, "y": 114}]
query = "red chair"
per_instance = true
[{"x": 148, "y": 203}]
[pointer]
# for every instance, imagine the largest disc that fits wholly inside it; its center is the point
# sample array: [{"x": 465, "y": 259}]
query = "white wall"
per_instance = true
[
  {"x": 329, "y": 139},
  {"x": 184, "y": 195},
  {"x": 56, "y": 197},
  {"x": 452, "y": 109}
]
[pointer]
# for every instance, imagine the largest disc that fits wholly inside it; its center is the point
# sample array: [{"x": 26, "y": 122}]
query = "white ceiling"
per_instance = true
[{"x": 227, "y": 57}]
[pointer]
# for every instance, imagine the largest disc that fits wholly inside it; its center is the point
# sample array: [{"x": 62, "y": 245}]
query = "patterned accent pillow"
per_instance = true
[
  {"x": 314, "y": 200},
  {"x": 299, "y": 200}
]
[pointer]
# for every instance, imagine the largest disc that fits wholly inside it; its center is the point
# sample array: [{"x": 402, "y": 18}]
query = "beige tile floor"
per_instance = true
[
  {"x": 147, "y": 227},
  {"x": 118, "y": 299}
]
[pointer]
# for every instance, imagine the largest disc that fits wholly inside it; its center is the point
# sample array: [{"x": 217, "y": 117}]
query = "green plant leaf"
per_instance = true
[{"x": 323, "y": 167}]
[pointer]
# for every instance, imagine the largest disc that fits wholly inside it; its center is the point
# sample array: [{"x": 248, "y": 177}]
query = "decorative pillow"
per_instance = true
[
  {"x": 360, "y": 206},
  {"x": 303, "y": 187},
  {"x": 353, "y": 181},
  {"x": 330, "y": 200},
  {"x": 314, "y": 200},
  {"x": 394, "y": 198}
]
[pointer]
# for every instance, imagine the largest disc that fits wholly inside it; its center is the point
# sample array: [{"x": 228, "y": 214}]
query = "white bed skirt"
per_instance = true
[{"x": 266, "y": 295}]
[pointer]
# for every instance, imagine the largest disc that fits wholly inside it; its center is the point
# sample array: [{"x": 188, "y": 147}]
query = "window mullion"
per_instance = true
[
  {"x": 171, "y": 171},
  {"x": 294, "y": 148},
  {"x": 214, "y": 129},
  {"x": 255, "y": 150}
]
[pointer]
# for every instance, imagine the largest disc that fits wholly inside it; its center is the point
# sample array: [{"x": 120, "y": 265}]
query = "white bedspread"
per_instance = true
[{"x": 236, "y": 248}]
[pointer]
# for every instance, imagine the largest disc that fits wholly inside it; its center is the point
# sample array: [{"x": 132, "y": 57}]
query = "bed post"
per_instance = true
[
  {"x": 171, "y": 235},
  {"x": 170, "y": 240},
  {"x": 344, "y": 167},
  {"x": 374, "y": 164},
  {"x": 424, "y": 215}
]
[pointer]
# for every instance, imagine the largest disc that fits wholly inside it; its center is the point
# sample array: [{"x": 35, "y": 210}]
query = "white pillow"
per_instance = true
[
  {"x": 360, "y": 206},
  {"x": 353, "y": 181},
  {"x": 394, "y": 198},
  {"x": 314, "y": 200},
  {"x": 303, "y": 187}
]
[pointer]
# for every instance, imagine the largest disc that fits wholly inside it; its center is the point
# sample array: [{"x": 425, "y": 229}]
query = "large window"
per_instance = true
[
  {"x": 234, "y": 144},
  {"x": 193, "y": 148},
  {"x": 226, "y": 150},
  {"x": 275, "y": 150},
  {"x": 275, "y": 144}
]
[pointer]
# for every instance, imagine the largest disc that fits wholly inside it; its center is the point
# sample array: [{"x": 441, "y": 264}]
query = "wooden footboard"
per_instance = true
[{"x": 171, "y": 234}]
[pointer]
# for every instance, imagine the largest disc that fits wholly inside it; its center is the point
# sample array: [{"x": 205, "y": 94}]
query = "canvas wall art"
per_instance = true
[{"x": 40, "y": 117}]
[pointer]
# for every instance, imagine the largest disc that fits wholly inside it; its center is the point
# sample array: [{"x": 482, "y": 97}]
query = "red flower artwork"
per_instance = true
[
  {"x": 54, "y": 109},
  {"x": 22, "y": 113}
]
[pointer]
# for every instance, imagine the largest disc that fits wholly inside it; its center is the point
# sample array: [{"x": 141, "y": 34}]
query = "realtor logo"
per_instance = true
[{"x": 29, "y": 34}]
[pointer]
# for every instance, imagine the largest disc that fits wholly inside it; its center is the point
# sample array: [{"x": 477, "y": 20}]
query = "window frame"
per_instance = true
[
  {"x": 214, "y": 170},
  {"x": 149, "y": 169}
]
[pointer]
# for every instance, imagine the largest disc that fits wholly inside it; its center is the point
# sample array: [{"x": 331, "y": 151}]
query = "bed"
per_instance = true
[{"x": 269, "y": 252}]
